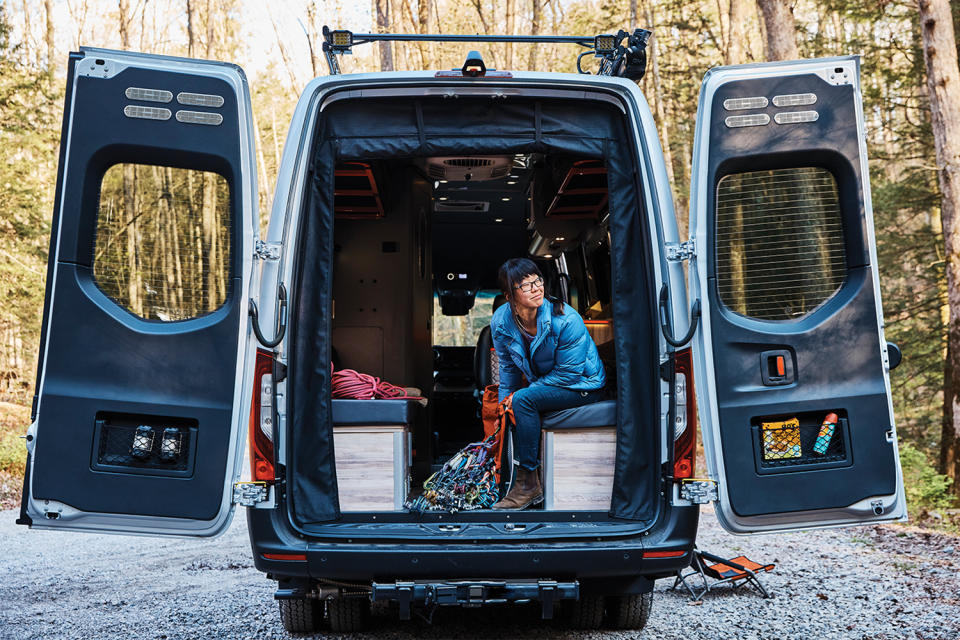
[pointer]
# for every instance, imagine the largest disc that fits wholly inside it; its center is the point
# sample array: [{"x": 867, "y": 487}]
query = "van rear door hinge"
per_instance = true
[
  {"x": 699, "y": 491},
  {"x": 679, "y": 251},
  {"x": 248, "y": 494},
  {"x": 267, "y": 250}
]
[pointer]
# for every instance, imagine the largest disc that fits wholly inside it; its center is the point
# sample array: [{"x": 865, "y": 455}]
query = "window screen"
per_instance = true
[
  {"x": 779, "y": 240},
  {"x": 162, "y": 248}
]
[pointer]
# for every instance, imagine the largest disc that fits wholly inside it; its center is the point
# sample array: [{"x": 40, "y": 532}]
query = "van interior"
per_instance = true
[{"x": 413, "y": 246}]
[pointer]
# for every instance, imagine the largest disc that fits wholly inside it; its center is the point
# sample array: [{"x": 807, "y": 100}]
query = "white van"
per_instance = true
[{"x": 172, "y": 330}]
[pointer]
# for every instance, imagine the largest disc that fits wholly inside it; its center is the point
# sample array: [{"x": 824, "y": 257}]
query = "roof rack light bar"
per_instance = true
[{"x": 619, "y": 59}]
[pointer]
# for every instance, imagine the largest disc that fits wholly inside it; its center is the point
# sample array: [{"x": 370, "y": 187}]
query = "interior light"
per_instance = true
[
  {"x": 442, "y": 198},
  {"x": 498, "y": 219},
  {"x": 505, "y": 199},
  {"x": 436, "y": 184},
  {"x": 511, "y": 182},
  {"x": 513, "y": 176},
  {"x": 561, "y": 239},
  {"x": 549, "y": 255},
  {"x": 443, "y": 181}
]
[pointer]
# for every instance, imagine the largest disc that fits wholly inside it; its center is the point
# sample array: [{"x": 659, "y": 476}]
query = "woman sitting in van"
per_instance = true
[{"x": 548, "y": 362}]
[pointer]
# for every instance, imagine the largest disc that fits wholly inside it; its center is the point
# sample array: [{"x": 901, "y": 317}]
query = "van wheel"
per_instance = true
[
  {"x": 629, "y": 611},
  {"x": 301, "y": 615},
  {"x": 585, "y": 613},
  {"x": 349, "y": 615}
]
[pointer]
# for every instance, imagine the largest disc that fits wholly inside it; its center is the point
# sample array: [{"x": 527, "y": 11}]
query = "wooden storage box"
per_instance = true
[
  {"x": 578, "y": 468},
  {"x": 373, "y": 466}
]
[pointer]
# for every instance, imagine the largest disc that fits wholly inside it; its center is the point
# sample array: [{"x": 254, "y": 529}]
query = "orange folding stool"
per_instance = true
[{"x": 737, "y": 571}]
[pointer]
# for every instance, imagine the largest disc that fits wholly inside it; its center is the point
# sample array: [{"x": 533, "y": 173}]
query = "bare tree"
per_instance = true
[
  {"x": 535, "y": 31},
  {"x": 734, "y": 53},
  {"x": 658, "y": 99},
  {"x": 381, "y": 9},
  {"x": 781, "y": 31},
  {"x": 633, "y": 15},
  {"x": 51, "y": 54},
  {"x": 191, "y": 29},
  {"x": 134, "y": 276},
  {"x": 511, "y": 23},
  {"x": 943, "y": 85}
]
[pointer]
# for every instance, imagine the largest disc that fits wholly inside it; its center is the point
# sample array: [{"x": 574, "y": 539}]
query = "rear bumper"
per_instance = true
[{"x": 660, "y": 552}]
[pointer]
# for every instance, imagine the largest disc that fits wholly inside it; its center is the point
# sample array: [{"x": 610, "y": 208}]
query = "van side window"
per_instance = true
[
  {"x": 779, "y": 241},
  {"x": 162, "y": 248}
]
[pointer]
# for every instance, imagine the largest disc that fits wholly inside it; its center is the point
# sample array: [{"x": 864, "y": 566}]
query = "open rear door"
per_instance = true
[
  {"x": 791, "y": 362},
  {"x": 137, "y": 420}
]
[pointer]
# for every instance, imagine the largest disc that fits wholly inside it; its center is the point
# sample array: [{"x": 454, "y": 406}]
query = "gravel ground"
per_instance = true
[{"x": 880, "y": 582}]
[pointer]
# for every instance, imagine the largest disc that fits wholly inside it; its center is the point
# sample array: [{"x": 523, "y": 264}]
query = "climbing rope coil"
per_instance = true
[{"x": 353, "y": 385}]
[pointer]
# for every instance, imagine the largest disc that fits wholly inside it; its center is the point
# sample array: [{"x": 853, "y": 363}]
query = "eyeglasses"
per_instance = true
[{"x": 527, "y": 287}]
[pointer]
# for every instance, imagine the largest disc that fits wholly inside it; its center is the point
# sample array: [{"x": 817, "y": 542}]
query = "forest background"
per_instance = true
[{"x": 277, "y": 43}]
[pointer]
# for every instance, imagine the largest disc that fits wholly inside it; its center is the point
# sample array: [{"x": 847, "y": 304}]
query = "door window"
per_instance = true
[
  {"x": 162, "y": 248},
  {"x": 779, "y": 237}
]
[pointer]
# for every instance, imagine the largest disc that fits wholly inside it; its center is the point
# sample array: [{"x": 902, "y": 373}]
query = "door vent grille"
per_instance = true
[{"x": 779, "y": 242}]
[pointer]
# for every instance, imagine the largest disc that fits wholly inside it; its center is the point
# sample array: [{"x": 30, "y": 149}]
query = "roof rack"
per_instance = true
[{"x": 616, "y": 58}]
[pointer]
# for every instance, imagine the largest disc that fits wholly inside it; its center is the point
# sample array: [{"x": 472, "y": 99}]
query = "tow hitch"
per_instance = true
[{"x": 474, "y": 593}]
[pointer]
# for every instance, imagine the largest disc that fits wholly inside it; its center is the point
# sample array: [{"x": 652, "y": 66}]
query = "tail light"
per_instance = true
[
  {"x": 261, "y": 419},
  {"x": 685, "y": 416}
]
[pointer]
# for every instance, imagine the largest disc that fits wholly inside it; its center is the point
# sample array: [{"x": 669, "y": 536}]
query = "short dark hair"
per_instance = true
[{"x": 513, "y": 271}]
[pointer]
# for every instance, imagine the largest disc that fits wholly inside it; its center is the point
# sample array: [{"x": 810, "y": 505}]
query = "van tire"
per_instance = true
[
  {"x": 585, "y": 613},
  {"x": 348, "y": 615},
  {"x": 301, "y": 615},
  {"x": 629, "y": 611}
]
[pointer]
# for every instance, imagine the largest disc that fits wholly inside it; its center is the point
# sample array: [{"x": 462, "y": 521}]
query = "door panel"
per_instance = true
[
  {"x": 791, "y": 360},
  {"x": 138, "y": 419}
]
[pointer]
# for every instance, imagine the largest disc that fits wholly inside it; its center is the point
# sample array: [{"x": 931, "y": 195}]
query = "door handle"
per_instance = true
[
  {"x": 664, "y": 322},
  {"x": 281, "y": 319}
]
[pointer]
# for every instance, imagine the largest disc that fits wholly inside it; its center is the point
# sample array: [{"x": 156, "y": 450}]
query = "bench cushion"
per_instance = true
[
  {"x": 373, "y": 412},
  {"x": 596, "y": 414}
]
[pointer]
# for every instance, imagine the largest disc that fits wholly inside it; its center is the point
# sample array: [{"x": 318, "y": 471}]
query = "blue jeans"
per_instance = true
[{"x": 529, "y": 403}]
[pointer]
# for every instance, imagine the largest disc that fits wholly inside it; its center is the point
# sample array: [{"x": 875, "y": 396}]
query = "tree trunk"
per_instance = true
[
  {"x": 381, "y": 11},
  {"x": 943, "y": 85},
  {"x": 736, "y": 33},
  {"x": 661, "y": 118},
  {"x": 51, "y": 54},
  {"x": 633, "y": 15},
  {"x": 511, "y": 23},
  {"x": 781, "y": 31},
  {"x": 191, "y": 30},
  {"x": 535, "y": 31}
]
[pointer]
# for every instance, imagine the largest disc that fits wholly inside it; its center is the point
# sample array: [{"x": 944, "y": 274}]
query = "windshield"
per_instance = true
[{"x": 462, "y": 331}]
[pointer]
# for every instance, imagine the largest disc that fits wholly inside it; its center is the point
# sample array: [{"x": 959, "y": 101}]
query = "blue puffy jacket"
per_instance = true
[{"x": 563, "y": 353}]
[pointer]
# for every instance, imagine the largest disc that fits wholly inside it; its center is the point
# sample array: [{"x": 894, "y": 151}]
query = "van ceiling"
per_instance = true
[{"x": 487, "y": 228}]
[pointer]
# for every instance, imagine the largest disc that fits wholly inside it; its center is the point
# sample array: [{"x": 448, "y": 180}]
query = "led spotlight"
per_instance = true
[{"x": 605, "y": 44}]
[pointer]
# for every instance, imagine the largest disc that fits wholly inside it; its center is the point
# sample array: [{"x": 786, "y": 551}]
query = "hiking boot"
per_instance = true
[{"x": 525, "y": 492}]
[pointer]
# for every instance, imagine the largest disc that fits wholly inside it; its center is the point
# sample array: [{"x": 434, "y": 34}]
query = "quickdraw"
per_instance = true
[{"x": 467, "y": 481}]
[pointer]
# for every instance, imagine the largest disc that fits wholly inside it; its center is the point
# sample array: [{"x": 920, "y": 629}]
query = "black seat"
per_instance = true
[
  {"x": 485, "y": 362},
  {"x": 373, "y": 412},
  {"x": 597, "y": 414}
]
